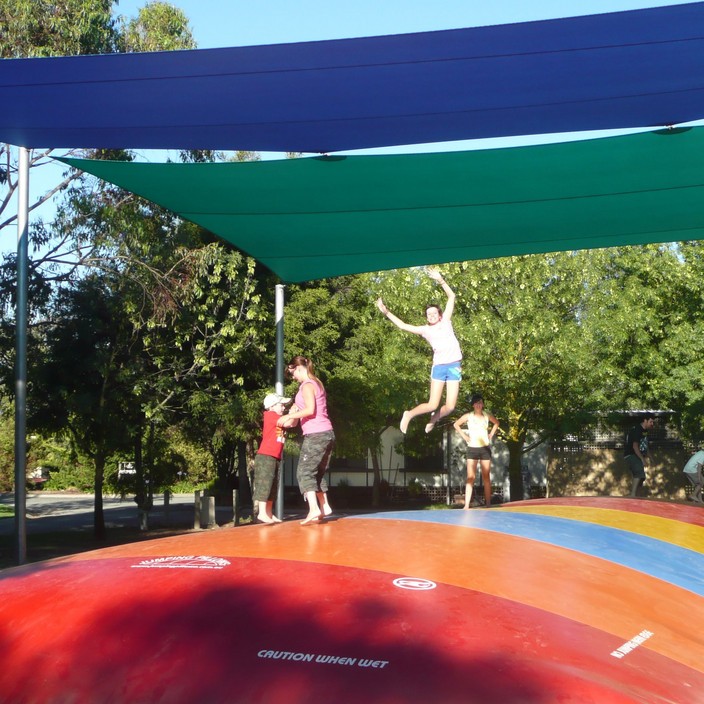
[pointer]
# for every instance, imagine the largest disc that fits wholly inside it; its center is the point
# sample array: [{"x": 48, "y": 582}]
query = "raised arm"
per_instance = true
[
  {"x": 450, "y": 305},
  {"x": 415, "y": 329}
]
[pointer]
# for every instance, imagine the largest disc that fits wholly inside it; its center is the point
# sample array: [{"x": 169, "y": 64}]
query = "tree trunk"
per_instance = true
[
  {"x": 228, "y": 460},
  {"x": 244, "y": 485},
  {"x": 376, "y": 486},
  {"x": 143, "y": 489}
]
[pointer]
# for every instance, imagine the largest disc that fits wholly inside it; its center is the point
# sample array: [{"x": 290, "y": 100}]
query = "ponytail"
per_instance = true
[{"x": 300, "y": 361}]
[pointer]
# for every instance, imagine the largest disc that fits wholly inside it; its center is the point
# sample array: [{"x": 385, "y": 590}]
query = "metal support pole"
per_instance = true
[
  {"x": 21, "y": 359},
  {"x": 279, "y": 317}
]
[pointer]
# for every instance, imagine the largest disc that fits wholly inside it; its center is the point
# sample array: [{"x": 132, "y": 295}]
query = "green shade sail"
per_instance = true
[{"x": 318, "y": 217}]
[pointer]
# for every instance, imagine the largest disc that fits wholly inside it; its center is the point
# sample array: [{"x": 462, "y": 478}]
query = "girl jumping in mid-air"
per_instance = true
[{"x": 447, "y": 356}]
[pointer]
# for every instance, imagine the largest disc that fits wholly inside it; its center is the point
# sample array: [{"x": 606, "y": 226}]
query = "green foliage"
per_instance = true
[
  {"x": 83, "y": 384},
  {"x": 159, "y": 26},
  {"x": 194, "y": 322},
  {"x": 7, "y": 445},
  {"x": 30, "y": 28},
  {"x": 197, "y": 466},
  {"x": 550, "y": 338},
  {"x": 76, "y": 477},
  {"x": 52, "y": 453},
  {"x": 36, "y": 28},
  {"x": 668, "y": 365},
  {"x": 524, "y": 327}
]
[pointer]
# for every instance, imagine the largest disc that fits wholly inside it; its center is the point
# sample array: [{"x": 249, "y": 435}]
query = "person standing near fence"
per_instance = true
[
  {"x": 311, "y": 408},
  {"x": 478, "y": 439},
  {"x": 635, "y": 451}
]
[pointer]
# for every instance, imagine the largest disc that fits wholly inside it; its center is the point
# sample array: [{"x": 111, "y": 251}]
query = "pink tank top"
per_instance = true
[{"x": 319, "y": 421}]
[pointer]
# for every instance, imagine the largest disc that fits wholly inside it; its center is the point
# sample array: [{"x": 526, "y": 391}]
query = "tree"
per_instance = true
[
  {"x": 33, "y": 28},
  {"x": 683, "y": 347},
  {"x": 525, "y": 327},
  {"x": 653, "y": 323},
  {"x": 159, "y": 26},
  {"x": 36, "y": 28},
  {"x": 194, "y": 307},
  {"x": 84, "y": 385},
  {"x": 73, "y": 27}
]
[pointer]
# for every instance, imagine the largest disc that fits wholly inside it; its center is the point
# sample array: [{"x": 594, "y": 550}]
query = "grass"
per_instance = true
[{"x": 6, "y": 511}]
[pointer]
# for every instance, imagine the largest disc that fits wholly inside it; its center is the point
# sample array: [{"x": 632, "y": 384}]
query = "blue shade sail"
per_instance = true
[{"x": 627, "y": 69}]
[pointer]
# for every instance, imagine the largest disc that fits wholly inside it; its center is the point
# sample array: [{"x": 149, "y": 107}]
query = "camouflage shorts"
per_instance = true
[
  {"x": 316, "y": 452},
  {"x": 266, "y": 478}
]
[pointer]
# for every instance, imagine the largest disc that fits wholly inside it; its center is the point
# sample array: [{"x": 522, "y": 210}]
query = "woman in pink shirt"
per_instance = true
[
  {"x": 311, "y": 407},
  {"x": 447, "y": 356}
]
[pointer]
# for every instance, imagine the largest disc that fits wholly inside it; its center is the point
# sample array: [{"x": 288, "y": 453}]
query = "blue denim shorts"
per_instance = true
[{"x": 447, "y": 372}]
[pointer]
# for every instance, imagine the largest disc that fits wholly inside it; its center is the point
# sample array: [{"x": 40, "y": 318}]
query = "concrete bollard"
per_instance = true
[
  {"x": 196, "y": 515},
  {"x": 207, "y": 512}
]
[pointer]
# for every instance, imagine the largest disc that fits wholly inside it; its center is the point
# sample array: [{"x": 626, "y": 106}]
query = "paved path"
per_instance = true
[{"x": 49, "y": 512}]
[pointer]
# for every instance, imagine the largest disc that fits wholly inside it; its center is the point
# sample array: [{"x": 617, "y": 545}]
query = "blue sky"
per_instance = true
[{"x": 220, "y": 23}]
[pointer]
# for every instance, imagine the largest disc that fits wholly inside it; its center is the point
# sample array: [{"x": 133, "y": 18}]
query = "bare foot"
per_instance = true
[
  {"x": 466, "y": 508},
  {"x": 429, "y": 427},
  {"x": 405, "y": 420},
  {"x": 311, "y": 518}
]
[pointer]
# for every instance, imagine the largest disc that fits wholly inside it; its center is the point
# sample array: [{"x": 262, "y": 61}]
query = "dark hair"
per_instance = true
[
  {"x": 475, "y": 398},
  {"x": 300, "y": 361},
  {"x": 433, "y": 305},
  {"x": 648, "y": 416}
]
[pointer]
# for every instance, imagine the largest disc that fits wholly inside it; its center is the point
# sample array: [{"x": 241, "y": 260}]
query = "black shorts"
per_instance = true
[
  {"x": 636, "y": 466},
  {"x": 478, "y": 453}
]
